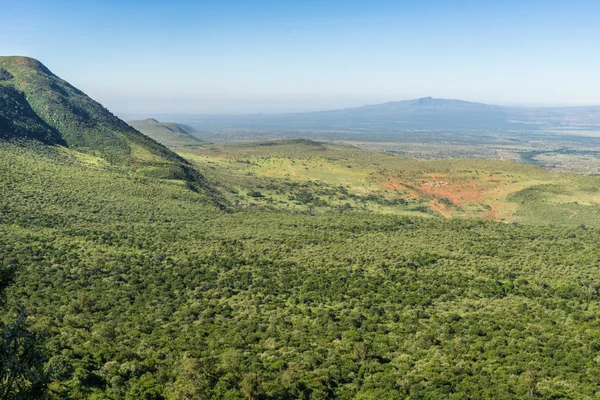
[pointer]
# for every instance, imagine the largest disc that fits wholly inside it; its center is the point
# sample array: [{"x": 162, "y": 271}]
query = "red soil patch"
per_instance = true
[
  {"x": 459, "y": 193},
  {"x": 393, "y": 183}
]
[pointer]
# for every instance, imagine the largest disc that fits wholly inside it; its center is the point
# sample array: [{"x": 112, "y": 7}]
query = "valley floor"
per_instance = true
[
  {"x": 304, "y": 175},
  {"x": 147, "y": 289}
]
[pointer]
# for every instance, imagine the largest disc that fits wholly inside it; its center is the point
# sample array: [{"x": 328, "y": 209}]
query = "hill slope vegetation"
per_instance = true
[
  {"x": 19, "y": 121},
  {"x": 50, "y": 109},
  {"x": 169, "y": 134}
]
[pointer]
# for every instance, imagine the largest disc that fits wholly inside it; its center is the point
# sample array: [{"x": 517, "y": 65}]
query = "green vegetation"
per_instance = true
[
  {"x": 167, "y": 133},
  {"x": 50, "y": 109},
  {"x": 558, "y": 150},
  {"x": 22, "y": 372},
  {"x": 147, "y": 290},
  {"x": 287, "y": 269},
  {"x": 304, "y": 175},
  {"x": 19, "y": 121}
]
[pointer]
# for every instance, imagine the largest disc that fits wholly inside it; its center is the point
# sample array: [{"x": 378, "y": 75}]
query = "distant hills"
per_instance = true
[
  {"x": 417, "y": 114},
  {"x": 417, "y": 104},
  {"x": 35, "y": 104},
  {"x": 420, "y": 113},
  {"x": 169, "y": 134}
]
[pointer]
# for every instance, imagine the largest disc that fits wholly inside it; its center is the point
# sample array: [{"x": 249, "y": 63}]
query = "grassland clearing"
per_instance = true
[{"x": 311, "y": 176}]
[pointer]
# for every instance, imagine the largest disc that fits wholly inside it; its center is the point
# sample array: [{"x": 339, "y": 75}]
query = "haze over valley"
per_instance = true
[{"x": 557, "y": 138}]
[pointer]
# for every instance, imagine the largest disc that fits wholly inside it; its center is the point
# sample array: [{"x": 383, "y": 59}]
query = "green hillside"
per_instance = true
[
  {"x": 167, "y": 133},
  {"x": 65, "y": 115}
]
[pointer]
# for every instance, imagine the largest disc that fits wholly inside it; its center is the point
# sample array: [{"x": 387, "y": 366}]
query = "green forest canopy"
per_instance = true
[{"x": 147, "y": 290}]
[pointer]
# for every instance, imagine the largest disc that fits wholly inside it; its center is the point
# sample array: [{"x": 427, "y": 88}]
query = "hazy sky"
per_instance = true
[{"x": 245, "y": 56}]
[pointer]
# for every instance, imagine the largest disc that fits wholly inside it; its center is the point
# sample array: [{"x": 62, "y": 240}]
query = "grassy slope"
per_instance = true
[
  {"x": 167, "y": 133},
  {"x": 86, "y": 125},
  {"x": 339, "y": 175},
  {"x": 146, "y": 290}
]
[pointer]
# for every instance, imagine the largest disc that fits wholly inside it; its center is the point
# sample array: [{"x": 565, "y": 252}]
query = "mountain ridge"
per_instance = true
[
  {"x": 67, "y": 116},
  {"x": 430, "y": 102}
]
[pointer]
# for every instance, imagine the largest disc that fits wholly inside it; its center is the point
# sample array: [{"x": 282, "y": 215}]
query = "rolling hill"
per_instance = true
[
  {"x": 169, "y": 134},
  {"x": 37, "y": 104}
]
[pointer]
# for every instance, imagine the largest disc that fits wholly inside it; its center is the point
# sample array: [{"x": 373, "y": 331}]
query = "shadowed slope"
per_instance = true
[{"x": 19, "y": 121}]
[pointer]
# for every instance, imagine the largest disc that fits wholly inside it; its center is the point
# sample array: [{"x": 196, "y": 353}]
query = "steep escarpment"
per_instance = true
[{"x": 37, "y": 104}]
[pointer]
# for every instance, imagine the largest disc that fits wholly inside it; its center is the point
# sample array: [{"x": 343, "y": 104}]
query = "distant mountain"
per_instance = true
[
  {"x": 36, "y": 104},
  {"x": 419, "y": 104},
  {"x": 169, "y": 134},
  {"x": 426, "y": 113}
]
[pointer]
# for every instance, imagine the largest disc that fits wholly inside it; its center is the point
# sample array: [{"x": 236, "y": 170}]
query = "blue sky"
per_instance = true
[{"x": 269, "y": 56}]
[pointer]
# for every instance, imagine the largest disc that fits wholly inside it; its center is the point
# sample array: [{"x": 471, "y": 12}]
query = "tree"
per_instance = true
[
  {"x": 195, "y": 380},
  {"x": 251, "y": 385},
  {"x": 22, "y": 374}
]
